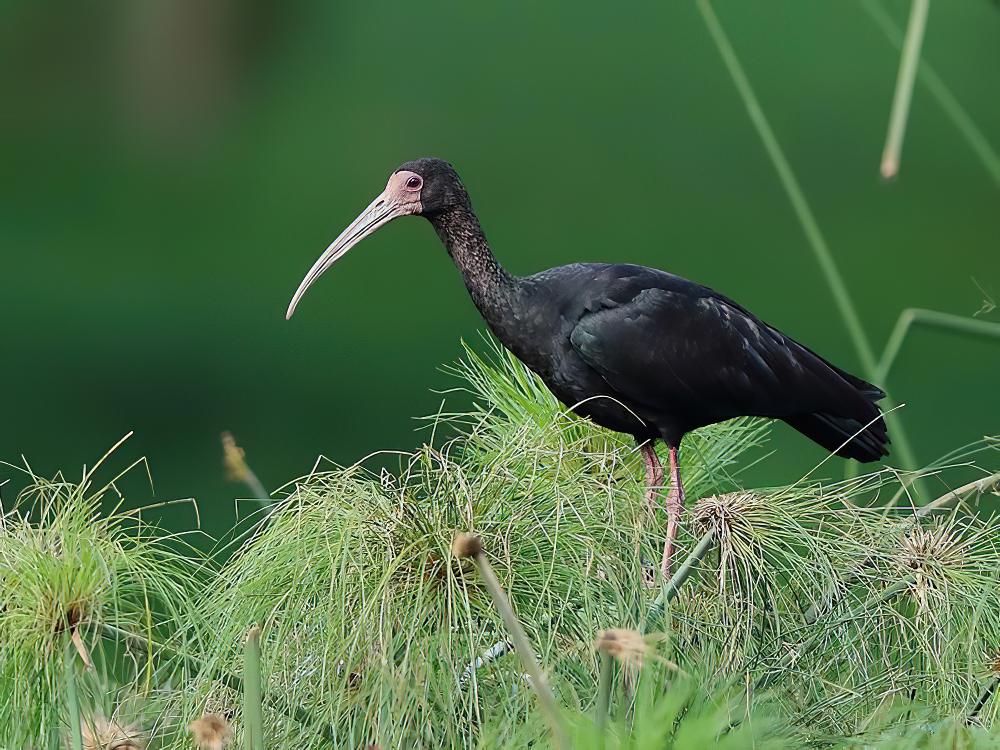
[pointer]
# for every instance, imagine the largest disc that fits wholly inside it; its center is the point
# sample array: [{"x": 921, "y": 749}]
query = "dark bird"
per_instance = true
[{"x": 635, "y": 349}]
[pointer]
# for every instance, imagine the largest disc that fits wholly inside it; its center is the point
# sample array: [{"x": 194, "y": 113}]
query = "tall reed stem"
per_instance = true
[
  {"x": 908, "y": 62},
  {"x": 838, "y": 288},
  {"x": 253, "y": 694},
  {"x": 841, "y": 295},
  {"x": 961, "y": 119},
  {"x": 913, "y": 316}
]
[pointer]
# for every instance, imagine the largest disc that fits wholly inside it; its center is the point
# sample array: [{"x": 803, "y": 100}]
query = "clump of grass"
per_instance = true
[
  {"x": 370, "y": 623},
  {"x": 773, "y": 551},
  {"x": 822, "y": 613},
  {"x": 70, "y": 572},
  {"x": 918, "y": 729},
  {"x": 909, "y": 632}
]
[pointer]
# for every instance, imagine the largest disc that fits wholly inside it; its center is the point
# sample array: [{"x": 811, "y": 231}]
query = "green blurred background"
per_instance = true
[{"x": 171, "y": 170}]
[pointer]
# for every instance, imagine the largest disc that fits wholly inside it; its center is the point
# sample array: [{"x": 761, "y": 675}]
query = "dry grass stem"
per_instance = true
[{"x": 81, "y": 648}]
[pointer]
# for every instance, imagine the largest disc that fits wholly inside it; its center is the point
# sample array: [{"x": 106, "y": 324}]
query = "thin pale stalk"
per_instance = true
[
  {"x": 671, "y": 587},
  {"x": 604, "y": 696},
  {"x": 524, "y": 650},
  {"x": 253, "y": 693},
  {"x": 961, "y": 119},
  {"x": 908, "y": 62},
  {"x": 73, "y": 702},
  {"x": 810, "y": 643},
  {"x": 952, "y": 497},
  {"x": 257, "y": 488}
]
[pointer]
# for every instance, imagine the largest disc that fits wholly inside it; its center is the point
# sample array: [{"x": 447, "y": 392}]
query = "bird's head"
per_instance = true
[{"x": 422, "y": 187}]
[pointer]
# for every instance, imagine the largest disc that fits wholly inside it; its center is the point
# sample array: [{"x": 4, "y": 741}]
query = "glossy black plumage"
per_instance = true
[{"x": 681, "y": 356}]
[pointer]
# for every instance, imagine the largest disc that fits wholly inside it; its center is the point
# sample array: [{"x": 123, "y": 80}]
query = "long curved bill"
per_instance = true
[{"x": 380, "y": 212}]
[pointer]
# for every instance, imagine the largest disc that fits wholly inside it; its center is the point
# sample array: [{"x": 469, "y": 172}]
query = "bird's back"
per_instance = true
[{"x": 680, "y": 355}]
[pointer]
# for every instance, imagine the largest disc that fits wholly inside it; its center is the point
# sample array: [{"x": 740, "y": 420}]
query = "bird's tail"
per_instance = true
[{"x": 848, "y": 437}]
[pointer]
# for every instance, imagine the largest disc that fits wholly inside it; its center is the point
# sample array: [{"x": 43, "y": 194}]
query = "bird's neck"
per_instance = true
[{"x": 489, "y": 285}]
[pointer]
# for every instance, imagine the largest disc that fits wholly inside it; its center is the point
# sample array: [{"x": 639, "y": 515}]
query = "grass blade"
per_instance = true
[
  {"x": 73, "y": 702},
  {"x": 253, "y": 701},
  {"x": 604, "y": 695}
]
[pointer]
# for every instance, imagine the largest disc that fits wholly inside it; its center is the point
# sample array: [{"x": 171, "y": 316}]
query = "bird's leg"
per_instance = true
[
  {"x": 675, "y": 502},
  {"x": 654, "y": 474}
]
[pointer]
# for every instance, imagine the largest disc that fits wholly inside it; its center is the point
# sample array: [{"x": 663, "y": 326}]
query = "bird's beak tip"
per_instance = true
[{"x": 380, "y": 211}]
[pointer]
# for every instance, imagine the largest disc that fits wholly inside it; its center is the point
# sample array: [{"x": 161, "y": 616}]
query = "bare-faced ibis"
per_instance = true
[{"x": 635, "y": 349}]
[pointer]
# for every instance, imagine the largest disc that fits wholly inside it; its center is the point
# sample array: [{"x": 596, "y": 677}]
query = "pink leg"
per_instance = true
[
  {"x": 675, "y": 503},
  {"x": 654, "y": 474}
]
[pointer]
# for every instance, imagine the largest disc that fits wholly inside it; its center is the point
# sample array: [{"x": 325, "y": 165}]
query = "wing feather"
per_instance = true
[{"x": 691, "y": 350}]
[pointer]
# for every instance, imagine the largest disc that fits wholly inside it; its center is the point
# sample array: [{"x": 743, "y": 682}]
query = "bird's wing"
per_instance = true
[{"x": 671, "y": 344}]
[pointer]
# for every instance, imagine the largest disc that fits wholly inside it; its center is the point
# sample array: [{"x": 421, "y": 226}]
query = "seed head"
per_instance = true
[
  {"x": 727, "y": 509},
  {"x": 234, "y": 459},
  {"x": 628, "y": 646},
  {"x": 211, "y": 732},
  {"x": 100, "y": 733},
  {"x": 927, "y": 548},
  {"x": 466, "y": 545}
]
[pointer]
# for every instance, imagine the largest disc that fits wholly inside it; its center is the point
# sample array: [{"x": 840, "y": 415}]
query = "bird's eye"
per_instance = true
[{"x": 414, "y": 182}]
